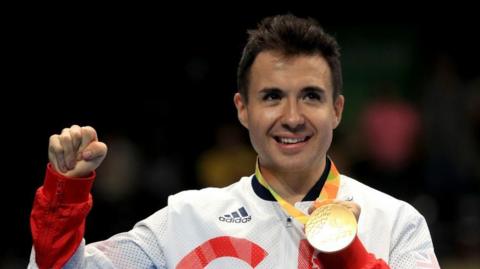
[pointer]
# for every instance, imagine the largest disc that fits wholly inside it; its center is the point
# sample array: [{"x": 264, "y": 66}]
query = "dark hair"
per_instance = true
[{"x": 291, "y": 36}]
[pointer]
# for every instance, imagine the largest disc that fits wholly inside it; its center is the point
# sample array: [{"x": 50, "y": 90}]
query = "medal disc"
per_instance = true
[{"x": 331, "y": 228}]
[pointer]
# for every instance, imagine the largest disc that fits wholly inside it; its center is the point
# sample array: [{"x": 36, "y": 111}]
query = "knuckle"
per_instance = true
[
  {"x": 89, "y": 129},
  {"x": 53, "y": 138},
  {"x": 76, "y": 134},
  {"x": 64, "y": 138},
  {"x": 54, "y": 145},
  {"x": 57, "y": 149}
]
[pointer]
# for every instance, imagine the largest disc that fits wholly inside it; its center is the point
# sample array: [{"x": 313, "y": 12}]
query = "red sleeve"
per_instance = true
[
  {"x": 355, "y": 256},
  {"x": 57, "y": 220}
]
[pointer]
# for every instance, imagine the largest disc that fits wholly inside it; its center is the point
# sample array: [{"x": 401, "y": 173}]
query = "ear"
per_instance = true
[
  {"x": 241, "y": 106},
  {"x": 338, "y": 107}
]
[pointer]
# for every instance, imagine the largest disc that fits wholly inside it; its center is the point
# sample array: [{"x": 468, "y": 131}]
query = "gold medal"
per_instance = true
[{"x": 331, "y": 228}]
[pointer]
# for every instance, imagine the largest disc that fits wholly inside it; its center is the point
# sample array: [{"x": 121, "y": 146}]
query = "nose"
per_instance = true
[{"x": 293, "y": 119}]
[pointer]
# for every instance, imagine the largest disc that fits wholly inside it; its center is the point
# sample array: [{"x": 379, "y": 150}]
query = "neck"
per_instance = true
[{"x": 292, "y": 186}]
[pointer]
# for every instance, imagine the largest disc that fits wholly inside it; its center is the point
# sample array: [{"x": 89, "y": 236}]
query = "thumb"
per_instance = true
[
  {"x": 91, "y": 158},
  {"x": 95, "y": 150}
]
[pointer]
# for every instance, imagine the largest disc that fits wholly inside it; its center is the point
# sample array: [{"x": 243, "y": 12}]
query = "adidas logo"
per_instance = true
[{"x": 238, "y": 216}]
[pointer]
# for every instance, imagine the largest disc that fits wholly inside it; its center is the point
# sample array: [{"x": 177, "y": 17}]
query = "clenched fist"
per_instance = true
[{"x": 76, "y": 152}]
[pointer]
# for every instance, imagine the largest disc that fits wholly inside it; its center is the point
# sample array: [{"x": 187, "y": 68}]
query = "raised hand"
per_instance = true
[{"x": 76, "y": 152}]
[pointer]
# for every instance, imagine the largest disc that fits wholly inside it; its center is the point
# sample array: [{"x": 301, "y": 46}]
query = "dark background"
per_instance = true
[{"x": 163, "y": 80}]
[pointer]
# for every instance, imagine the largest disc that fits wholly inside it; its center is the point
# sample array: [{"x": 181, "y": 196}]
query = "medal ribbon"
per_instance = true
[{"x": 328, "y": 192}]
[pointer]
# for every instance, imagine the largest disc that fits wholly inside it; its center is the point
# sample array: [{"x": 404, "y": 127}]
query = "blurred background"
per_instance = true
[{"x": 158, "y": 86}]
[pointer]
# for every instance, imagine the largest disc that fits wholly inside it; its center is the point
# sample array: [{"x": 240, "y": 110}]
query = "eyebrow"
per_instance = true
[
  {"x": 307, "y": 89},
  {"x": 270, "y": 90},
  {"x": 316, "y": 89}
]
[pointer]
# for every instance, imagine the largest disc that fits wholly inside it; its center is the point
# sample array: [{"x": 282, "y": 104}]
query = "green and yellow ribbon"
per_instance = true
[{"x": 328, "y": 193}]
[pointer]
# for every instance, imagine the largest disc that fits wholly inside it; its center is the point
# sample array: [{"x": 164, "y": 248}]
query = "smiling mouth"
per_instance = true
[{"x": 290, "y": 141}]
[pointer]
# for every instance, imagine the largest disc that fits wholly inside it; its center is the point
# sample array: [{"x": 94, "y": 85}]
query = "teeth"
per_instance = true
[{"x": 291, "y": 140}]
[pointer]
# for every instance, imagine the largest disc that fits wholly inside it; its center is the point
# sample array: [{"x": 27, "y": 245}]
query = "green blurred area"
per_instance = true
[{"x": 373, "y": 58}]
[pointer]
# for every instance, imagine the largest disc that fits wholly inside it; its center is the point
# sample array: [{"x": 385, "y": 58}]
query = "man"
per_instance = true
[{"x": 289, "y": 83}]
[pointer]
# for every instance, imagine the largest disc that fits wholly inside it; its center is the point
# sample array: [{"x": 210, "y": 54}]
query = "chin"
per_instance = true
[{"x": 293, "y": 164}]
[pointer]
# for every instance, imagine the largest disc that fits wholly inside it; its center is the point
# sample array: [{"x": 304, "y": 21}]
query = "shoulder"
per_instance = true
[
  {"x": 374, "y": 200},
  {"x": 389, "y": 227},
  {"x": 210, "y": 196},
  {"x": 202, "y": 201}
]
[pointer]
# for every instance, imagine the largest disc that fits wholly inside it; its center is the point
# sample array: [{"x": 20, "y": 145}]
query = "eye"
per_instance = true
[
  {"x": 312, "y": 96},
  {"x": 271, "y": 96}
]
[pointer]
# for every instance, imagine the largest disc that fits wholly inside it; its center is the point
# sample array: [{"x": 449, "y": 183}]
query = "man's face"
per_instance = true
[{"x": 290, "y": 112}]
